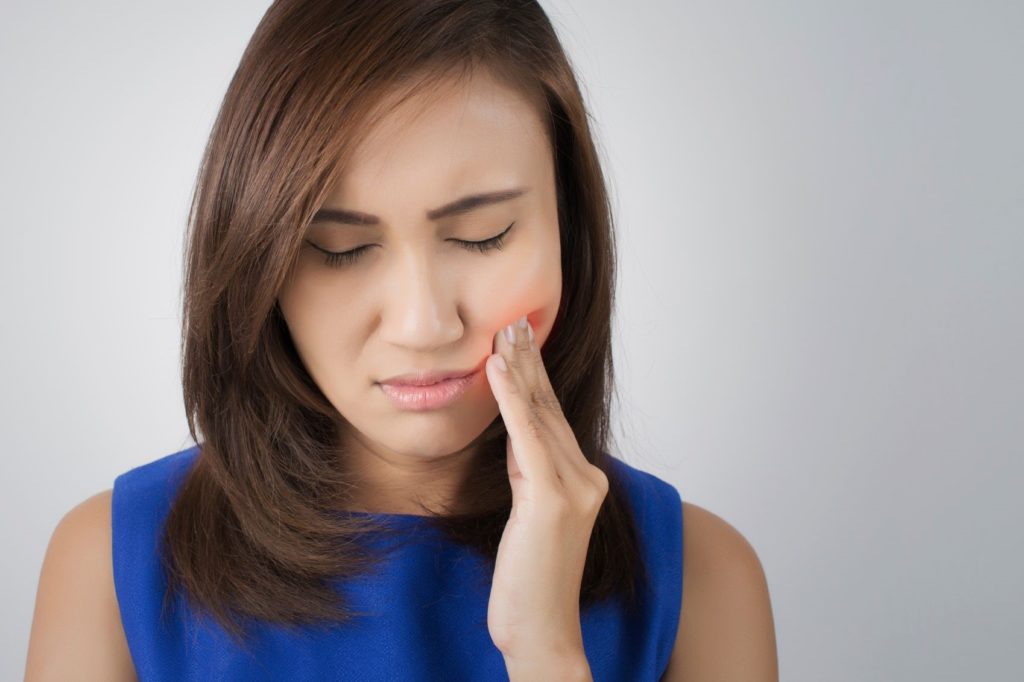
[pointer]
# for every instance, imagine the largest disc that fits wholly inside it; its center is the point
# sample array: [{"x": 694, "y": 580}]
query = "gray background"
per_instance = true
[{"x": 818, "y": 334}]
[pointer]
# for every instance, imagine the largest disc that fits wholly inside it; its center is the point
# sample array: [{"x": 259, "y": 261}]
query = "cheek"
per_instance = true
[
  {"x": 316, "y": 319},
  {"x": 529, "y": 283}
]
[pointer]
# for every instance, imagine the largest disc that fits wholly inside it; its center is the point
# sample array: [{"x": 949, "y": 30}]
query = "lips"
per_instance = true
[
  {"x": 426, "y": 378},
  {"x": 431, "y": 396}
]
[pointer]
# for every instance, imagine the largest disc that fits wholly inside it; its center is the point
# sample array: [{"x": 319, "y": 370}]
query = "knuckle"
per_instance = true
[
  {"x": 544, "y": 401},
  {"x": 514, "y": 362},
  {"x": 534, "y": 425},
  {"x": 592, "y": 501},
  {"x": 600, "y": 479},
  {"x": 597, "y": 490},
  {"x": 513, "y": 387}
]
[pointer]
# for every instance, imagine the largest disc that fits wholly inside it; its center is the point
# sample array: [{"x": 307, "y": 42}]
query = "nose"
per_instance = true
[{"x": 420, "y": 311}]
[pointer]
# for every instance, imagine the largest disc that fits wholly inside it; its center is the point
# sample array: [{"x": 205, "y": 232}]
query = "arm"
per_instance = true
[
  {"x": 726, "y": 630},
  {"x": 572, "y": 667},
  {"x": 76, "y": 630}
]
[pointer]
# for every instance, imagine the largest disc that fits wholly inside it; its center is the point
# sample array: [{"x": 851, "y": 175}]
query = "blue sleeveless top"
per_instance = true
[{"x": 429, "y": 609}]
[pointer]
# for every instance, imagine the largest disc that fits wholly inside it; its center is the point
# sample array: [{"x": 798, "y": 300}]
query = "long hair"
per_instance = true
[{"x": 256, "y": 529}]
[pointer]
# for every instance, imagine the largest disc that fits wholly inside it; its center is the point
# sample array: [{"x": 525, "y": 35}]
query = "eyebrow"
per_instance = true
[{"x": 457, "y": 207}]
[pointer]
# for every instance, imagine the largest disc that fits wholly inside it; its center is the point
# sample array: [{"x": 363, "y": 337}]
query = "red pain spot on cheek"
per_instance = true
[
  {"x": 514, "y": 311},
  {"x": 534, "y": 318}
]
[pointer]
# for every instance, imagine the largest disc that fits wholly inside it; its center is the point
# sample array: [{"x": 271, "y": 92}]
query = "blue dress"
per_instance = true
[{"x": 429, "y": 617}]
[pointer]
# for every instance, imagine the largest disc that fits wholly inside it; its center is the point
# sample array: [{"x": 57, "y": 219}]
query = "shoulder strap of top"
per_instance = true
[
  {"x": 140, "y": 504},
  {"x": 659, "y": 516}
]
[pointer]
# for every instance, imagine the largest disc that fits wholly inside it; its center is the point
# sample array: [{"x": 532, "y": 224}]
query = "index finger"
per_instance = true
[{"x": 527, "y": 402}]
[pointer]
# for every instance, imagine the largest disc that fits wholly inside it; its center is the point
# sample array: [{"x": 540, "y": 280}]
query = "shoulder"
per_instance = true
[
  {"x": 142, "y": 497},
  {"x": 76, "y": 628},
  {"x": 163, "y": 474},
  {"x": 726, "y": 630}
]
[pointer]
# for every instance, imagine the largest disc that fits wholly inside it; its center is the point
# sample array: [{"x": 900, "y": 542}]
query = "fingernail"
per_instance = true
[
  {"x": 510, "y": 334},
  {"x": 502, "y": 365},
  {"x": 522, "y": 322}
]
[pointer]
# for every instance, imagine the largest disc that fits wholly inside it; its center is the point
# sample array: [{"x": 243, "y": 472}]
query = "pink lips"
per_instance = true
[
  {"x": 426, "y": 378},
  {"x": 413, "y": 393}
]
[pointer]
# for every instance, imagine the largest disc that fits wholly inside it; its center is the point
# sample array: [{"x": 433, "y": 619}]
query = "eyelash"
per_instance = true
[{"x": 342, "y": 258}]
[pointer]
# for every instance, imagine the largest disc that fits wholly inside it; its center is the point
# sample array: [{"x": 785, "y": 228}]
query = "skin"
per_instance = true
[
  {"x": 417, "y": 301},
  {"x": 726, "y": 629},
  {"x": 533, "y": 612}
]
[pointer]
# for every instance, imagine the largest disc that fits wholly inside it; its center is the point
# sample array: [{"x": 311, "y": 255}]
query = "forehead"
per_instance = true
[{"x": 474, "y": 134}]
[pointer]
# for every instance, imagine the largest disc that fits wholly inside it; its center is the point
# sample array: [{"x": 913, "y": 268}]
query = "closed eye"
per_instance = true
[
  {"x": 495, "y": 242},
  {"x": 339, "y": 259}
]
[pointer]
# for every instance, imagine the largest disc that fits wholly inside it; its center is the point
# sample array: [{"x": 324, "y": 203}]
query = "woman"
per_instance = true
[{"x": 397, "y": 369}]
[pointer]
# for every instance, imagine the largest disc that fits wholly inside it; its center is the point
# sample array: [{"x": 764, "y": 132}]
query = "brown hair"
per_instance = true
[{"x": 257, "y": 528}]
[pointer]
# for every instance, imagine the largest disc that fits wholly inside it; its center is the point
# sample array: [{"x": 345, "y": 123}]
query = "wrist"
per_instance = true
[{"x": 564, "y": 667}]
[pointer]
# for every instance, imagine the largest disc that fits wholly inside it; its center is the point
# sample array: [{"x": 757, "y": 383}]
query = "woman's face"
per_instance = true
[{"x": 415, "y": 299}]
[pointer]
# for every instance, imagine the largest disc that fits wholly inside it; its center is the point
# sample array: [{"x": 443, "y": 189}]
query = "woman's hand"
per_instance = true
[{"x": 533, "y": 612}]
